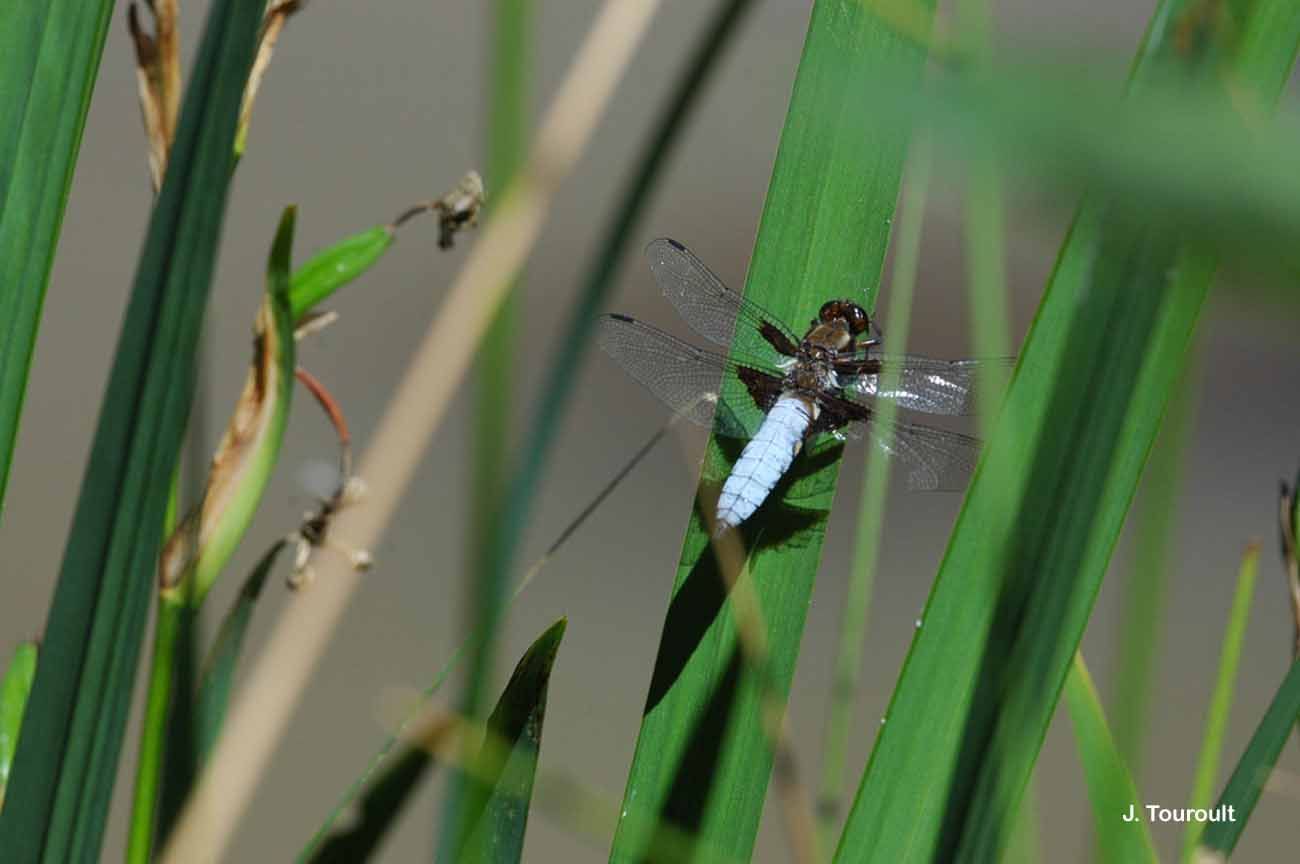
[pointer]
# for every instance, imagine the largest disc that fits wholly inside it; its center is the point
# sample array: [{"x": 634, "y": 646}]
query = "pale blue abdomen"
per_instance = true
[{"x": 764, "y": 460}]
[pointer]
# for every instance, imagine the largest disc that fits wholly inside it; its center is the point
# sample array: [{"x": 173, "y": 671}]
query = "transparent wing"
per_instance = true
[
  {"x": 689, "y": 380},
  {"x": 709, "y": 306},
  {"x": 931, "y": 459},
  {"x": 925, "y": 384}
]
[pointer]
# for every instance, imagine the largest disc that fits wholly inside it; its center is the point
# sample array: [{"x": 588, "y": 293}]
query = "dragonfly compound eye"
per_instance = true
[
  {"x": 829, "y": 312},
  {"x": 857, "y": 317}
]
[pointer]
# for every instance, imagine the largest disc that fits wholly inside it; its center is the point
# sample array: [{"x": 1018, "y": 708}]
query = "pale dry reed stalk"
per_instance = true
[{"x": 261, "y": 714}]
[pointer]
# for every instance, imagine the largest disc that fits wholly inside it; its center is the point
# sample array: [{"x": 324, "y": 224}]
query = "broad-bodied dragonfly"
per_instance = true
[{"x": 777, "y": 390}]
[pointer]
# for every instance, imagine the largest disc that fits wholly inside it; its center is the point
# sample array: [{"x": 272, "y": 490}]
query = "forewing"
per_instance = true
[
  {"x": 688, "y": 379},
  {"x": 710, "y": 307},
  {"x": 925, "y": 384}
]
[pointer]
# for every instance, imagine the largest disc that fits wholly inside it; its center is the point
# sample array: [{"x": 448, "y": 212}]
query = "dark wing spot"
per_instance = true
[
  {"x": 837, "y": 413},
  {"x": 777, "y": 339},
  {"x": 764, "y": 388}
]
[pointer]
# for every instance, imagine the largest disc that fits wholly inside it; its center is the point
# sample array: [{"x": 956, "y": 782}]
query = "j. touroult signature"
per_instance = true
[{"x": 1156, "y": 813}]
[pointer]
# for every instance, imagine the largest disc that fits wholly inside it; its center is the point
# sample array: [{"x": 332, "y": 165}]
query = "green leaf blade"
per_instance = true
[
  {"x": 1253, "y": 770},
  {"x": 1110, "y": 786},
  {"x": 502, "y": 774},
  {"x": 15, "y": 689},
  {"x": 330, "y": 269},
  {"x": 66, "y": 762},
  {"x": 1036, "y": 531},
  {"x": 1216, "y": 720},
  {"x": 49, "y": 56},
  {"x": 702, "y": 760}
]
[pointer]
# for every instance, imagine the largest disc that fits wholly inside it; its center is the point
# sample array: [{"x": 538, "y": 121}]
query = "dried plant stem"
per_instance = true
[
  {"x": 751, "y": 634},
  {"x": 275, "y": 684},
  {"x": 276, "y": 14}
]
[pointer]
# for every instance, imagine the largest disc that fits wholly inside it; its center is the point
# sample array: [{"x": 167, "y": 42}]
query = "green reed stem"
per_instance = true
[{"x": 871, "y": 511}]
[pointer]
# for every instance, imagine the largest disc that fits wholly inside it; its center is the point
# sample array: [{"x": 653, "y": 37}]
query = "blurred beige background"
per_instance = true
[{"x": 371, "y": 106}]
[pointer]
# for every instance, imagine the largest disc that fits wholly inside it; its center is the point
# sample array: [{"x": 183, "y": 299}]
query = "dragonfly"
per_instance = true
[{"x": 778, "y": 390}]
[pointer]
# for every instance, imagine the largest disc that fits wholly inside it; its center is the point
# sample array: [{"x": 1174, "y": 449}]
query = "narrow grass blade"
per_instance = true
[
  {"x": 1142, "y": 618},
  {"x": 562, "y": 372},
  {"x": 49, "y": 55},
  {"x": 67, "y": 758},
  {"x": 201, "y": 545},
  {"x": 199, "y": 707},
  {"x": 355, "y": 789},
  {"x": 507, "y": 110},
  {"x": 218, "y": 675},
  {"x": 1110, "y": 786},
  {"x": 508, "y": 124},
  {"x": 1225, "y": 683},
  {"x": 703, "y": 758},
  {"x": 1040, "y": 521},
  {"x": 1252, "y": 771},
  {"x": 173, "y": 632},
  {"x": 984, "y": 230},
  {"x": 378, "y": 809},
  {"x": 513, "y": 516},
  {"x": 507, "y": 147},
  {"x": 501, "y": 775},
  {"x": 15, "y": 688},
  {"x": 871, "y": 512}
]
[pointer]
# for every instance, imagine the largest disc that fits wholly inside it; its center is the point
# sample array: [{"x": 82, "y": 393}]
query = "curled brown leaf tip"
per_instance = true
[
  {"x": 146, "y": 50},
  {"x": 249, "y": 422},
  {"x": 272, "y": 23}
]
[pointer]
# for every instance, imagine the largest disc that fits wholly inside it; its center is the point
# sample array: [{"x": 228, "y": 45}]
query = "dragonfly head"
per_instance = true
[{"x": 850, "y": 313}]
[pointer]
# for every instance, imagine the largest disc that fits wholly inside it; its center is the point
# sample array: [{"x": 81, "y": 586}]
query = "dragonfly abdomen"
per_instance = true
[{"x": 764, "y": 460}]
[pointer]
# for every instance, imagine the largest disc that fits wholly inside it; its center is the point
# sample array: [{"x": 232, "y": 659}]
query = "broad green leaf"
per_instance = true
[
  {"x": 702, "y": 760},
  {"x": 1247, "y": 781},
  {"x": 1110, "y": 786},
  {"x": 1225, "y": 683},
  {"x": 67, "y": 758},
  {"x": 49, "y": 55},
  {"x": 1040, "y": 521},
  {"x": 15, "y": 688}
]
